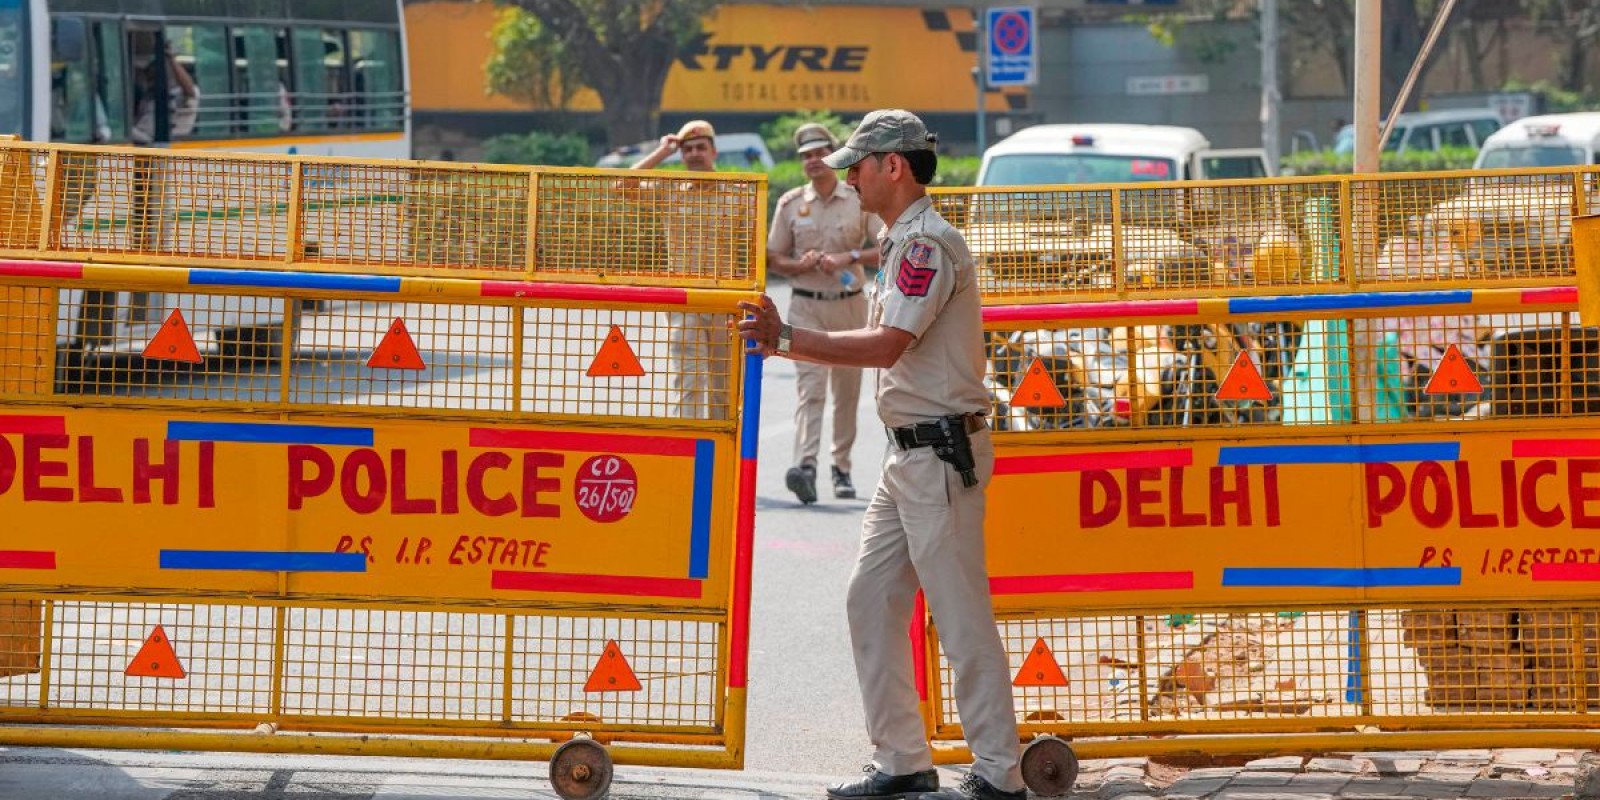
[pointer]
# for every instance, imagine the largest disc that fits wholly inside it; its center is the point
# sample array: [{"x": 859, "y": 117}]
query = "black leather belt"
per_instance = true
[
  {"x": 810, "y": 295},
  {"x": 924, "y": 434}
]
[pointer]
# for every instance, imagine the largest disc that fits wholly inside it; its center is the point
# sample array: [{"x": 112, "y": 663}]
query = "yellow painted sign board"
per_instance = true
[
  {"x": 368, "y": 509},
  {"x": 1476, "y": 516}
]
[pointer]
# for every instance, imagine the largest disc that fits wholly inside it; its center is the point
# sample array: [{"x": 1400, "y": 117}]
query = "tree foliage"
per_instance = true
[
  {"x": 779, "y": 133},
  {"x": 622, "y": 49}
]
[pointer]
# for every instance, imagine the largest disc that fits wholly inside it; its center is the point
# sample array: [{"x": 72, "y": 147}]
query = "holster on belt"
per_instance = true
[{"x": 955, "y": 448}]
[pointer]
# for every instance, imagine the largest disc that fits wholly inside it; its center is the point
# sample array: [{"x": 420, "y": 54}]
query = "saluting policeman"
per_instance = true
[
  {"x": 924, "y": 525},
  {"x": 820, "y": 239}
]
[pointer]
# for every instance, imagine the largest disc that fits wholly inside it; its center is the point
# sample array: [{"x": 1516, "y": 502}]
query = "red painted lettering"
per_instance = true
[
  {"x": 449, "y": 474},
  {"x": 487, "y": 506},
  {"x": 1176, "y": 516},
  {"x": 208, "y": 475},
  {"x": 363, "y": 466},
  {"x": 533, "y": 485},
  {"x": 1090, "y": 513},
  {"x": 1537, "y": 514},
  {"x": 88, "y": 492},
  {"x": 1139, "y": 497},
  {"x": 35, "y": 469},
  {"x": 1580, "y": 494},
  {"x": 402, "y": 504},
  {"x": 1509, "y": 507},
  {"x": 145, "y": 471},
  {"x": 1381, "y": 499},
  {"x": 1238, "y": 496},
  {"x": 1469, "y": 517},
  {"x": 1431, "y": 474},
  {"x": 8, "y": 465},
  {"x": 302, "y": 485},
  {"x": 1270, "y": 481}
]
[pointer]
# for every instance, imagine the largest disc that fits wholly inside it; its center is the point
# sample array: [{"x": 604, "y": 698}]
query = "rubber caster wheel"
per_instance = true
[
  {"x": 581, "y": 770},
  {"x": 1049, "y": 767}
]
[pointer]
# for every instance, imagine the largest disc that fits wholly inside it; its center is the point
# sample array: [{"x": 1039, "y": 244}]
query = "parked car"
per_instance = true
[
  {"x": 1550, "y": 140},
  {"x": 1429, "y": 130},
  {"x": 740, "y": 152}
]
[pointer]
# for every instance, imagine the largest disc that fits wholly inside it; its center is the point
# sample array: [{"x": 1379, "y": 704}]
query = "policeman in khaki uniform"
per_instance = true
[
  {"x": 817, "y": 238},
  {"x": 924, "y": 526},
  {"x": 700, "y": 224}
]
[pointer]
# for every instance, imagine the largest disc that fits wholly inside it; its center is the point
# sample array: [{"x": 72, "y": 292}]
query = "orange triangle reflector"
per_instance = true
[
  {"x": 1040, "y": 668},
  {"x": 173, "y": 342},
  {"x": 155, "y": 659},
  {"x": 612, "y": 673},
  {"x": 1243, "y": 382},
  {"x": 397, "y": 350},
  {"x": 616, "y": 358},
  {"x": 1453, "y": 376},
  {"x": 1037, "y": 389}
]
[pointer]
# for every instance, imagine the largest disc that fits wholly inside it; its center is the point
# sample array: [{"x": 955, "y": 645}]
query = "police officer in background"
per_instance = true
[
  {"x": 924, "y": 525},
  {"x": 820, "y": 239}
]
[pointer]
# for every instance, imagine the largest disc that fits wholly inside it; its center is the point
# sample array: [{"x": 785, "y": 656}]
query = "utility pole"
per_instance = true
[
  {"x": 1270, "y": 96},
  {"x": 1369, "y": 54}
]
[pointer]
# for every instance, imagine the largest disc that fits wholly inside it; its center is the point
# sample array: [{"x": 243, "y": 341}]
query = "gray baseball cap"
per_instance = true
[{"x": 887, "y": 130}]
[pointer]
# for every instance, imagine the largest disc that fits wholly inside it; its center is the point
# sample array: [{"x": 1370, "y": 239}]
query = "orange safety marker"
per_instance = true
[
  {"x": 155, "y": 659},
  {"x": 616, "y": 358},
  {"x": 1453, "y": 376},
  {"x": 397, "y": 350},
  {"x": 173, "y": 342},
  {"x": 612, "y": 673},
  {"x": 1243, "y": 382},
  {"x": 1037, "y": 389},
  {"x": 1040, "y": 668}
]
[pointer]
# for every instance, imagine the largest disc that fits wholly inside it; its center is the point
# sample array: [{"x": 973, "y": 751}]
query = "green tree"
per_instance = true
[
  {"x": 622, "y": 49},
  {"x": 779, "y": 133}
]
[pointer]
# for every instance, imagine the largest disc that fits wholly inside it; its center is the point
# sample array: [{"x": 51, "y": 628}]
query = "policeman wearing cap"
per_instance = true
[
  {"x": 820, "y": 239},
  {"x": 924, "y": 526},
  {"x": 699, "y": 231}
]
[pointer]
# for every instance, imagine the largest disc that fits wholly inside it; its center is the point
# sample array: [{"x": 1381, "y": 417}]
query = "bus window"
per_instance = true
[
  {"x": 111, "y": 78},
  {"x": 13, "y": 60},
  {"x": 202, "y": 50},
  {"x": 375, "y": 64},
  {"x": 262, "y": 95},
  {"x": 321, "y": 86},
  {"x": 76, "y": 115}
]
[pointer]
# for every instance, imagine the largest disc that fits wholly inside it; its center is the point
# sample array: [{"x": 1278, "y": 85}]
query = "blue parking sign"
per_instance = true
[{"x": 1013, "y": 54}]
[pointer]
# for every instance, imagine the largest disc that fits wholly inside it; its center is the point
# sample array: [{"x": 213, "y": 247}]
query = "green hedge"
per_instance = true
[{"x": 1326, "y": 162}]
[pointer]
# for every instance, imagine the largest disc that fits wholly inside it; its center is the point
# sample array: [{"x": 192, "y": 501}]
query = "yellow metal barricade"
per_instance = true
[
  {"x": 426, "y": 459},
  {"x": 1315, "y": 458}
]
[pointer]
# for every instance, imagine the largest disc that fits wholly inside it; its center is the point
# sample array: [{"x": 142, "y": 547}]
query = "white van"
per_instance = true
[
  {"x": 1072, "y": 153},
  {"x": 1549, "y": 140}
]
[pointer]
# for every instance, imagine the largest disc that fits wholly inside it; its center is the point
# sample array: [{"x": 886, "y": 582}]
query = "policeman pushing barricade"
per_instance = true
[{"x": 924, "y": 526}]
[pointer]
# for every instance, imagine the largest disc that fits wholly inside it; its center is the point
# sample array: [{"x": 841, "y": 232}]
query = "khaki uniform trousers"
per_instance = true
[
  {"x": 701, "y": 354},
  {"x": 813, "y": 381},
  {"x": 924, "y": 528}
]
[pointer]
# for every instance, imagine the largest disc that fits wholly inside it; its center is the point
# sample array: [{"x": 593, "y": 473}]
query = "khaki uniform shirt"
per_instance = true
[
  {"x": 805, "y": 220},
  {"x": 927, "y": 286},
  {"x": 707, "y": 227}
]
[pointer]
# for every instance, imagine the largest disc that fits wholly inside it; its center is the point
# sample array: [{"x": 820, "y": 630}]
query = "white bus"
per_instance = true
[{"x": 313, "y": 77}]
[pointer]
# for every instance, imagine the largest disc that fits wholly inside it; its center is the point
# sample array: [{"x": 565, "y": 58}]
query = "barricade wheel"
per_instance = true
[
  {"x": 581, "y": 770},
  {"x": 1049, "y": 767}
]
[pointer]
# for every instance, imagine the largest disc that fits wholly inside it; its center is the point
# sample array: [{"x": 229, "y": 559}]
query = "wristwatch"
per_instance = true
[
  {"x": 855, "y": 257},
  {"x": 785, "y": 339}
]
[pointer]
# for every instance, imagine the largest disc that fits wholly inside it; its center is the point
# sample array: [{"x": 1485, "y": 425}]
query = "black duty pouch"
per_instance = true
[{"x": 955, "y": 448}]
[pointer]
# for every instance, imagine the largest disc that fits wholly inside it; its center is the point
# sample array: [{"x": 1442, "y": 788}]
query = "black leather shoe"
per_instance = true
[
  {"x": 842, "y": 487},
  {"x": 974, "y": 788},
  {"x": 883, "y": 786},
  {"x": 802, "y": 480}
]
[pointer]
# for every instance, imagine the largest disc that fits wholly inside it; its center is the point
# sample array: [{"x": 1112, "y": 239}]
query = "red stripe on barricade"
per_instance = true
[
  {"x": 627, "y": 585},
  {"x": 32, "y": 423},
  {"x": 659, "y": 295},
  {"x": 1566, "y": 572},
  {"x": 1092, "y": 582},
  {"x": 27, "y": 559},
  {"x": 919, "y": 646},
  {"x": 585, "y": 442},
  {"x": 1077, "y": 462},
  {"x": 41, "y": 269},
  {"x": 1555, "y": 448},
  {"x": 1550, "y": 295},
  {"x": 743, "y": 557},
  {"x": 1071, "y": 311}
]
